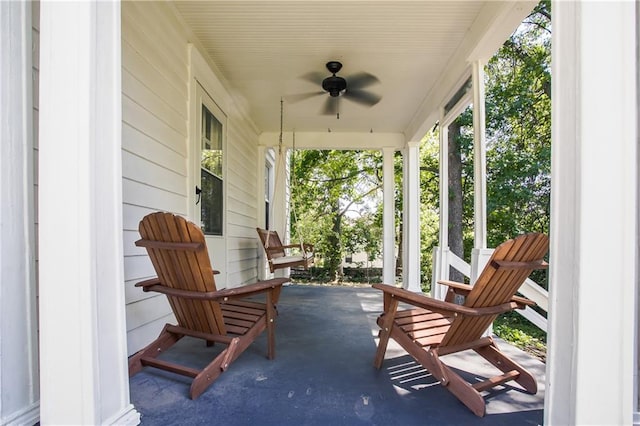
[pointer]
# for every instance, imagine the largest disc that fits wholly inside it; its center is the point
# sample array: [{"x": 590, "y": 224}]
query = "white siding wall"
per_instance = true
[
  {"x": 35, "y": 58},
  {"x": 154, "y": 147},
  {"x": 242, "y": 205},
  {"x": 155, "y": 157}
]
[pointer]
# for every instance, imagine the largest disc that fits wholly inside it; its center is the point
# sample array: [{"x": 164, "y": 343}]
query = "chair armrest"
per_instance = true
[
  {"x": 523, "y": 301},
  {"x": 302, "y": 247},
  {"x": 273, "y": 249},
  {"x": 286, "y": 246},
  {"x": 250, "y": 289},
  {"x": 445, "y": 308},
  {"x": 220, "y": 295},
  {"x": 148, "y": 283},
  {"x": 456, "y": 287}
]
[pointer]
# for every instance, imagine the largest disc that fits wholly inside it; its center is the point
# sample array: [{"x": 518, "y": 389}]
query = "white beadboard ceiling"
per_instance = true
[{"x": 262, "y": 49}]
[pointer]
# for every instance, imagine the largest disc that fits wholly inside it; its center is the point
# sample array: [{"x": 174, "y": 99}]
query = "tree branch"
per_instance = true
[{"x": 358, "y": 199}]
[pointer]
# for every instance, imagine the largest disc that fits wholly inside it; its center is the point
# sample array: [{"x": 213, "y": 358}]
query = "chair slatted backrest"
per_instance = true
[
  {"x": 498, "y": 284},
  {"x": 271, "y": 240},
  {"x": 183, "y": 268}
]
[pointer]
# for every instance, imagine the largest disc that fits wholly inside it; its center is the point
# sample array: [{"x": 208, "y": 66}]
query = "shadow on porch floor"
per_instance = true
[{"x": 323, "y": 374}]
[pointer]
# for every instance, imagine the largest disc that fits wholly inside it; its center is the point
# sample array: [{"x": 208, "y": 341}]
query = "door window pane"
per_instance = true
[{"x": 211, "y": 174}]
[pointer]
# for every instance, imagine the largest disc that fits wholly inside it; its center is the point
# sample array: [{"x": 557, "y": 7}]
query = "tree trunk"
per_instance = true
[
  {"x": 400, "y": 252},
  {"x": 455, "y": 198},
  {"x": 335, "y": 255}
]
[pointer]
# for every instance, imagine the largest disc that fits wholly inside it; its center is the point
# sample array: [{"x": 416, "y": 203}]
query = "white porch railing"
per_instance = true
[{"x": 529, "y": 289}]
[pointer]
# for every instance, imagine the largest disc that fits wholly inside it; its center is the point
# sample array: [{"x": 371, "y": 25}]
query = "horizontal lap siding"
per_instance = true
[
  {"x": 155, "y": 163},
  {"x": 241, "y": 205},
  {"x": 155, "y": 94},
  {"x": 242, "y": 260}
]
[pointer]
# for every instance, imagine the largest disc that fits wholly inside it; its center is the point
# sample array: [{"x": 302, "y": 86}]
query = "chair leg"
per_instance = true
[
  {"x": 207, "y": 376},
  {"x": 451, "y": 380},
  {"x": 385, "y": 330},
  {"x": 271, "y": 317},
  {"x": 447, "y": 377},
  {"x": 276, "y": 295},
  {"x": 220, "y": 363},
  {"x": 492, "y": 354},
  {"x": 165, "y": 340},
  {"x": 464, "y": 392}
]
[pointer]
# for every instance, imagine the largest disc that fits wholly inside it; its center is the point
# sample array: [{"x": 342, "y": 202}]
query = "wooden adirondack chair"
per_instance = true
[
  {"x": 179, "y": 255},
  {"x": 277, "y": 253},
  {"x": 433, "y": 328}
]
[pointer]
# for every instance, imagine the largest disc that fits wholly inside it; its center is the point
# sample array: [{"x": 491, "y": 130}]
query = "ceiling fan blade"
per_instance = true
[
  {"x": 362, "y": 97},
  {"x": 330, "y": 106},
  {"x": 314, "y": 77},
  {"x": 361, "y": 80},
  {"x": 301, "y": 96}
]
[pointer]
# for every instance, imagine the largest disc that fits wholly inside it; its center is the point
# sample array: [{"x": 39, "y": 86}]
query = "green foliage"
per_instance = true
[
  {"x": 518, "y": 331},
  {"x": 335, "y": 203},
  {"x": 334, "y": 191},
  {"x": 429, "y": 199},
  {"x": 364, "y": 234},
  {"x": 518, "y": 130}
]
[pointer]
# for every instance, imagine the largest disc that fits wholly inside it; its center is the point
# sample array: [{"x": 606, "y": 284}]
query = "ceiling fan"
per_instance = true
[{"x": 350, "y": 88}]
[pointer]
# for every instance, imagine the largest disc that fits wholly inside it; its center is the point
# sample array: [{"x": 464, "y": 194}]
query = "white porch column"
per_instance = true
[
  {"x": 83, "y": 357},
  {"x": 441, "y": 253},
  {"x": 280, "y": 217},
  {"x": 593, "y": 267},
  {"x": 388, "y": 217},
  {"x": 19, "y": 381},
  {"x": 480, "y": 254},
  {"x": 479, "y": 158},
  {"x": 411, "y": 217},
  {"x": 281, "y": 195},
  {"x": 262, "y": 271}
]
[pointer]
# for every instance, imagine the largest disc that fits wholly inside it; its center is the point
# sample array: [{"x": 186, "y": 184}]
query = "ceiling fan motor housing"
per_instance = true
[{"x": 334, "y": 85}]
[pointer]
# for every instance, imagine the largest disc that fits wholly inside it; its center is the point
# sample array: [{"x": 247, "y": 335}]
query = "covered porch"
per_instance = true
[
  {"x": 101, "y": 118},
  {"x": 323, "y": 374}
]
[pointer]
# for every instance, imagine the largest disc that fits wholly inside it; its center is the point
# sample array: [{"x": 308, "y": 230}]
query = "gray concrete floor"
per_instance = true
[{"x": 323, "y": 374}]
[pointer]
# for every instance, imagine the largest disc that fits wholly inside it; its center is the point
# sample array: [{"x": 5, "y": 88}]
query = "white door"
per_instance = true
[{"x": 209, "y": 171}]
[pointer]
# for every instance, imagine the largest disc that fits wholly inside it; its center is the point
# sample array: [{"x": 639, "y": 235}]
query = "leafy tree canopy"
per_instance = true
[
  {"x": 518, "y": 130},
  {"x": 335, "y": 199},
  {"x": 333, "y": 191}
]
